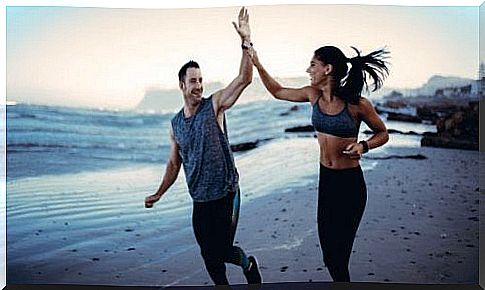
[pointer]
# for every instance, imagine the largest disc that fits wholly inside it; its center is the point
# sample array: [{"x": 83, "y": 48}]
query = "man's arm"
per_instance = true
[
  {"x": 171, "y": 172},
  {"x": 225, "y": 98}
]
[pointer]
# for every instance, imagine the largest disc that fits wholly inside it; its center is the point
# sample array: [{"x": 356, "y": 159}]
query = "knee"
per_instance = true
[{"x": 211, "y": 254}]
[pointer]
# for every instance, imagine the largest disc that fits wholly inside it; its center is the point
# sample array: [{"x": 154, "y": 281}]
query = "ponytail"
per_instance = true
[{"x": 373, "y": 64}]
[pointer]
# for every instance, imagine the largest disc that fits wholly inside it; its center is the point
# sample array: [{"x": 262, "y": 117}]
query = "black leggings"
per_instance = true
[
  {"x": 214, "y": 224},
  {"x": 342, "y": 196}
]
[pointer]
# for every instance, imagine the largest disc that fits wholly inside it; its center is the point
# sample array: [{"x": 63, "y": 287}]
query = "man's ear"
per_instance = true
[{"x": 181, "y": 85}]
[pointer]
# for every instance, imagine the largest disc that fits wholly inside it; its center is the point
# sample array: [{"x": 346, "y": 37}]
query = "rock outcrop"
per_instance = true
[
  {"x": 307, "y": 128},
  {"x": 459, "y": 130}
]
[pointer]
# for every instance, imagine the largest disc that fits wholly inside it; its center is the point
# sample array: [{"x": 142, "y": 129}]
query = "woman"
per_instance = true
[{"x": 337, "y": 112}]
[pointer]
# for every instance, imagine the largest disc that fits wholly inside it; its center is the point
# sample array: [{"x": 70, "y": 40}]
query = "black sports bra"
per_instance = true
[{"x": 340, "y": 125}]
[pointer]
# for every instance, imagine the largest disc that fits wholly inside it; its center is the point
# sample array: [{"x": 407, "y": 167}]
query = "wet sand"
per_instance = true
[{"x": 420, "y": 226}]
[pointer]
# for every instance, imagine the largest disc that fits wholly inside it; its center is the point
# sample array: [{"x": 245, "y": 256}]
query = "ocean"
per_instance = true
[{"x": 47, "y": 140}]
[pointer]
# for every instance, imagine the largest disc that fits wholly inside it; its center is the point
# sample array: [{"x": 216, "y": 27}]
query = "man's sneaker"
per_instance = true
[{"x": 252, "y": 272}]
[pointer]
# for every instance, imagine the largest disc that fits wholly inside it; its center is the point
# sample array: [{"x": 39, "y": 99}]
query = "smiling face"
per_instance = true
[
  {"x": 191, "y": 85},
  {"x": 319, "y": 72}
]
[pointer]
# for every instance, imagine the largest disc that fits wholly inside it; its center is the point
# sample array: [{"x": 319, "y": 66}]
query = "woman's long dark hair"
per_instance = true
[{"x": 350, "y": 83}]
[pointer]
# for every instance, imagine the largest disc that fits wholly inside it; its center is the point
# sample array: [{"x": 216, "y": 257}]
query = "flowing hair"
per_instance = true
[{"x": 351, "y": 83}]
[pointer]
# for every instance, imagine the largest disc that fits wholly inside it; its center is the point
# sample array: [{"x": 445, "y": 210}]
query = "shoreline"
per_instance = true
[{"x": 422, "y": 213}]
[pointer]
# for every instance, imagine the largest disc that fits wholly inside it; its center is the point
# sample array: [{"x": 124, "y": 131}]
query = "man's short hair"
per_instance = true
[{"x": 183, "y": 70}]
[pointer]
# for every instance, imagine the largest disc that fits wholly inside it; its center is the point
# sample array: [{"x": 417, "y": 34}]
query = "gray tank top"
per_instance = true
[{"x": 206, "y": 155}]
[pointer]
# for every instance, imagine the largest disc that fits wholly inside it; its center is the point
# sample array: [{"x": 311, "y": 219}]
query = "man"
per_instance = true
[{"x": 199, "y": 141}]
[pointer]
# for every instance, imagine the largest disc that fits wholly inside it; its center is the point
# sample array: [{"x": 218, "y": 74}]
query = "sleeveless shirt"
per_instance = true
[{"x": 205, "y": 152}]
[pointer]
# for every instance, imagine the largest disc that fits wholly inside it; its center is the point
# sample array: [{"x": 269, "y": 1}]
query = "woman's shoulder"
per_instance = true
[
  {"x": 312, "y": 93},
  {"x": 362, "y": 103},
  {"x": 362, "y": 106}
]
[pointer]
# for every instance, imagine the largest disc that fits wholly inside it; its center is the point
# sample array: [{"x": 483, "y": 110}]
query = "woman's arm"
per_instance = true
[
  {"x": 278, "y": 91},
  {"x": 368, "y": 114}
]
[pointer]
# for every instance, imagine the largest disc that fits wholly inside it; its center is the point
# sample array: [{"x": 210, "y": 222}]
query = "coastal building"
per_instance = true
[{"x": 473, "y": 90}]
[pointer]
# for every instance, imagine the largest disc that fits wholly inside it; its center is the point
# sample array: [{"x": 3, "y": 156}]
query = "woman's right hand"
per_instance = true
[
  {"x": 354, "y": 150},
  {"x": 253, "y": 56},
  {"x": 150, "y": 200}
]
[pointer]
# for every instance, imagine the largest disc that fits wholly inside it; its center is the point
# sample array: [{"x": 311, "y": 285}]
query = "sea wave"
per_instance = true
[
  {"x": 83, "y": 117},
  {"x": 13, "y": 147},
  {"x": 70, "y": 139}
]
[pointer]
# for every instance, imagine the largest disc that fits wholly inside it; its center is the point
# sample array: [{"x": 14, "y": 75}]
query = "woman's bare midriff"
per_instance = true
[{"x": 331, "y": 148}]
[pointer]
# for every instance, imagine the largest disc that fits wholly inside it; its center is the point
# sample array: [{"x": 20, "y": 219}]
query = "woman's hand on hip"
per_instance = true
[{"x": 354, "y": 150}]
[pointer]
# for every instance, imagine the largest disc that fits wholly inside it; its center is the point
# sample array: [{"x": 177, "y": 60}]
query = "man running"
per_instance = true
[{"x": 199, "y": 141}]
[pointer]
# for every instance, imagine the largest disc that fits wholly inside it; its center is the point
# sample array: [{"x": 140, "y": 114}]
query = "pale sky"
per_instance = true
[{"x": 107, "y": 57}]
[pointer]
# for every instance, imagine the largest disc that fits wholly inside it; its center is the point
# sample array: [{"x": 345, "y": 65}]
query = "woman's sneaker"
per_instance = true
[{"x": 252, "y": 273}]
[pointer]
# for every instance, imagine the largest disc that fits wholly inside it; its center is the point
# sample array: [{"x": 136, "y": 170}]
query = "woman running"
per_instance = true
[{"x": 337, "y": 112}]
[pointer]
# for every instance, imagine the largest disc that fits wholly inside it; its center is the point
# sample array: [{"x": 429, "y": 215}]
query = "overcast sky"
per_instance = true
[{"x": 108, "y": 57}]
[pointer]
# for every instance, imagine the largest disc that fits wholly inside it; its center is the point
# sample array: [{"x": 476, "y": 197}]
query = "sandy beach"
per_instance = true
[{"x": 420, "y": 225}]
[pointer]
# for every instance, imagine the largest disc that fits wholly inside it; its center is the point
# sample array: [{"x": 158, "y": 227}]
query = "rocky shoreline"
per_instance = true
[{"x": 456, "y": 120}]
